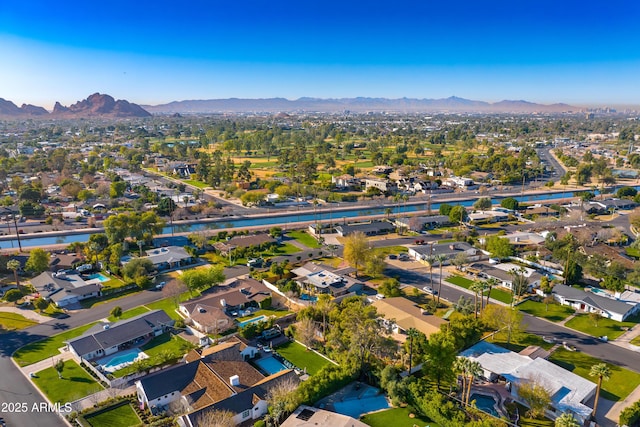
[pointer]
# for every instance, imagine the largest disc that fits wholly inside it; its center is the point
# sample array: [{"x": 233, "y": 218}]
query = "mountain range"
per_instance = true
[
  {"x": 361, "y": 104},
  {"x": 96, "y": 105},
  {"x": 101, "y": 105}
]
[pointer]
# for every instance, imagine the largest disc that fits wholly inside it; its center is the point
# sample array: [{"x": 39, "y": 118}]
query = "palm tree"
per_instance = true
[
  {"x": 474, "y": 369},
  {"x": 431, "y": 260},
  {"x": 461, "y": 366},
  {"x": 14, "y": 265},
  {"x": 566, "y": 420},
  {"x": 440, "y": 259},
  {"x": 519, "y": 283},
  {"x": 476, "y": 287},
  {"x": 491, "y": 282},
  {"x": 412, "y": 333},
  {"x": 602, "y": 371}
]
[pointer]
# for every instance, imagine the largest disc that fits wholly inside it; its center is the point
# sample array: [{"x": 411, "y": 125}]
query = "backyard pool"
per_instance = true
[
  {"x": 270, "y": 365},
  {"x": 368, "y": 400},
  {"x": 244, "y": 323},
  {"x": 485, "y": 403},
  {"x": 120, "y": 360},
  {"x": 307, "y": 297},
  {"x": 98, "y": 276}
]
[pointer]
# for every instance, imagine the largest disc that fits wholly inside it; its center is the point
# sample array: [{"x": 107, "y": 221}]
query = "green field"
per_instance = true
[
  {"x": 554, "y": 313},
  {"x": 621, "y": 383},
  {"x": 608, "y": 327},
  {"x": 194, "y": 183},
  {"x": 396, "y": 417},
  {"x": 460, "y": 281},
  {"x": 520, "y": 341},
  {"x": 168, "y": 305},
  {"x": 304, "y": 238},
  {"x": 302, "y": 358},
  {"x": 121, "y": 416},
  {"x": 13, "y": 321},
  {"x": 500, "y": 295},
  {"x": 48, "y": 347},
  {"x": 286, "y": 249},
  {"x": 75, "y": 383}
]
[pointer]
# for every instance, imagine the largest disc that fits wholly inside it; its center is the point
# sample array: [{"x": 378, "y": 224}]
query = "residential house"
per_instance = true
[
  {"x": 386, "y": 186},
  {"x": 105, "y": 339},
  {"x": 372, "y": 228},
  {"x": 590, "y": 302},
  {"x": 215, "y": 312},
  {"x": 244, "y": 241},
  {"x": 448, "y": 250},
  {"x": 65, "y": 289},
  {"x": 503, "y": 273},
  {"x": 569, "y": 392},
  {"x": 321, "y": 278},
  {"x": 64, "y": 261},
  {"x": 345, "y": 182},
  {"x": 402, "y": 314},
  {"x": 170, "y": 257},
  {"x": 419, "y": 223},
  {"x": 306, "y": 416},
  {"x": 184, "y": 170},
  {"x": 486, "y": 217}
]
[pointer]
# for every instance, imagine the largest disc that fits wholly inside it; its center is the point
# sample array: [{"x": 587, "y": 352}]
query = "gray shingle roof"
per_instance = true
[
  {"x": 603, "y": 303},
  {"x": 168, "y": 380}
]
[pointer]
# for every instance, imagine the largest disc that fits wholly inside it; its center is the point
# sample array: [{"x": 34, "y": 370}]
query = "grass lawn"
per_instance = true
[
  {"x": 520, "y": 342},
  {"x": 159, "y": 350},
  {"x": 396, "y": 417},
  {"x": 286, "y": 249},
  {"x": 167, "y": 305},
  {"x": 13, "y": 321},
  {"x": 112, "y": 283},
  {"x": 301, "y": 357},
  {"x": 620, "y": 384},
  {"x": 304, "y": 238},
  {"x": 75, "y": 383},
  {"x": 555, "y": 313},
  {"x": 193, "y": 182},
  {"x": 460, "y": 281},
  {"x": 635, "y": 341},
  {"x": 129, "y": 314},
  {"x": 500, "y": 295},
  {"x": 530, "y": 422},
  {"x": 122, "y": 416},
  {"x": 48, "y": 347},
  {"x": 332, "y": 261},
  {"x": 608, "y": 327},
  {"x": 388, "y": 250}
]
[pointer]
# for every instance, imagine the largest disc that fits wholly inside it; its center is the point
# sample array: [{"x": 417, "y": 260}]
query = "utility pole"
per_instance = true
[{"x": 15, "y": 223}]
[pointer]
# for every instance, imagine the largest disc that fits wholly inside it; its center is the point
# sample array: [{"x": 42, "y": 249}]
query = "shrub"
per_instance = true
[
  {"x": 13, "y": 295},
  {"x": 630, "y": 415}
]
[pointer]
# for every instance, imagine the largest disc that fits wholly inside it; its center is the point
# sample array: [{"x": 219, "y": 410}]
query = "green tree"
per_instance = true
[
  {"x": 519, "y": 283},
  {"x": 477, "y": 287},
  {"x": 603, "y": 373},
  {"x": 59, "y": 367},
  {"x": 510, "y": 203},
  {"x": 374, "y": 263},
  {"x": 390, "y": 288},
  {"x": 458, "y": 214},
  {"x": 137, "y": 270},
  {"x": 536, "y": 396},
  {"x": 499, "y": 247},
  {"x": 441, "y": 353},
  {"x": 117, "y": 189},
  {"x": 482, "y": 204},
  {"x": 507, "y": 320},
  {"x": 355, "y": 251},
  {"x": 12, "y": 295},
  {"x": 38, "y": 260},
  {"x": 566, "y": 419},
  {"x": 14, "y": 265},
  {"x": 573, "y": 272},
  {"x": 445, "y": 209},
  {"x": 41, "y": 304},
  {"x": 116, "y": 312}
]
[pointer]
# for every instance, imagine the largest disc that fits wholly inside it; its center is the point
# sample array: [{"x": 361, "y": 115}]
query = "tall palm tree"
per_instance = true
[
  {"x": 440, "y": 259},
  {"x": 412, "y": 333},
  {"x": 566, "y": 420},
  {"x": 474, "y": 369},
  {"x": 519, "y": 283},
  {"x": 491, "y": 282},
  {"x": 476, "y": 287},
  {"x": 461, "y": 367},
  {"x": 14, "y": 265},
  {"x": 603, "y": 372},
  {"x": 430, "y": 260}
]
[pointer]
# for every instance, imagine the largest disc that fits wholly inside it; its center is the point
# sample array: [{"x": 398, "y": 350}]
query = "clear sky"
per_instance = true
[{"x": 579, "y": 52}]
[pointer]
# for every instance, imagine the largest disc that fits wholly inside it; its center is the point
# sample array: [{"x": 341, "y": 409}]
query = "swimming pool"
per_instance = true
[
  {"x": 485, "y": 403},
  {"x": 121, "y": 359},
  {"x": 307, "y": 297},
  {"x": 270, "y": 365},
  {"x": 98, "y": 276},
  {"x": 244, "y": 323},
  {"x": 369, "y": 400}
]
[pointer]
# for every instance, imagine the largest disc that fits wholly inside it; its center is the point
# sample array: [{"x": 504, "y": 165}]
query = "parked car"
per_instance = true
[
  {"x": 430, "y": 290},
  {"x": 403, "y": 257}
]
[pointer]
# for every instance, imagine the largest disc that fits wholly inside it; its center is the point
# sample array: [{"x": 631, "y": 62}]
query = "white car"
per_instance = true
[{"x": 430, "y": 290}]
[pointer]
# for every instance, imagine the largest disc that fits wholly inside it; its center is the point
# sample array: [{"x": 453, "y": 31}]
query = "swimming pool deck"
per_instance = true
[{"x": 354, "y": 391}]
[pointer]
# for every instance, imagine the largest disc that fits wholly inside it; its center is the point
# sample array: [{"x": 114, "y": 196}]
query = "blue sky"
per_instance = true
[{"x": 579, "y": 52}]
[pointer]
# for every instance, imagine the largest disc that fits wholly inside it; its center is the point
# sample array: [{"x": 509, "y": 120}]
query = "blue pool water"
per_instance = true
[
  {"x": 270, "y": 365},
  {"x": 307, "y": 297},
  {"x": 120, "y": 360},
  {"x": 367, "y": 401},
  {"x": 255, "y": 319},
  {"x": 485, "y": 403},
  {"x": 98, "y": 276}
]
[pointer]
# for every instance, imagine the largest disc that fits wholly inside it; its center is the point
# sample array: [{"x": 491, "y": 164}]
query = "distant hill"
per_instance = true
[
  {"x": 360, "y": 104},
  {"x": 96, "y": 105}
]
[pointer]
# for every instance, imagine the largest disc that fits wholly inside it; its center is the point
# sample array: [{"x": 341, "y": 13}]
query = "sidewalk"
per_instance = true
[
  {"x": 614, "y": 412},
  {"x": 101, "y": 396},
  {"x": 624, "y": 340},
  {"x": 46, "y": 363}
]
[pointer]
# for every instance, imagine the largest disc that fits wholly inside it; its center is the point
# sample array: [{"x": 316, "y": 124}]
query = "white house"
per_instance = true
[
  {"x": 569, "y": 392},
  {"x": 590, "y": 302},
  {"x": 449, "y": 250}
]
